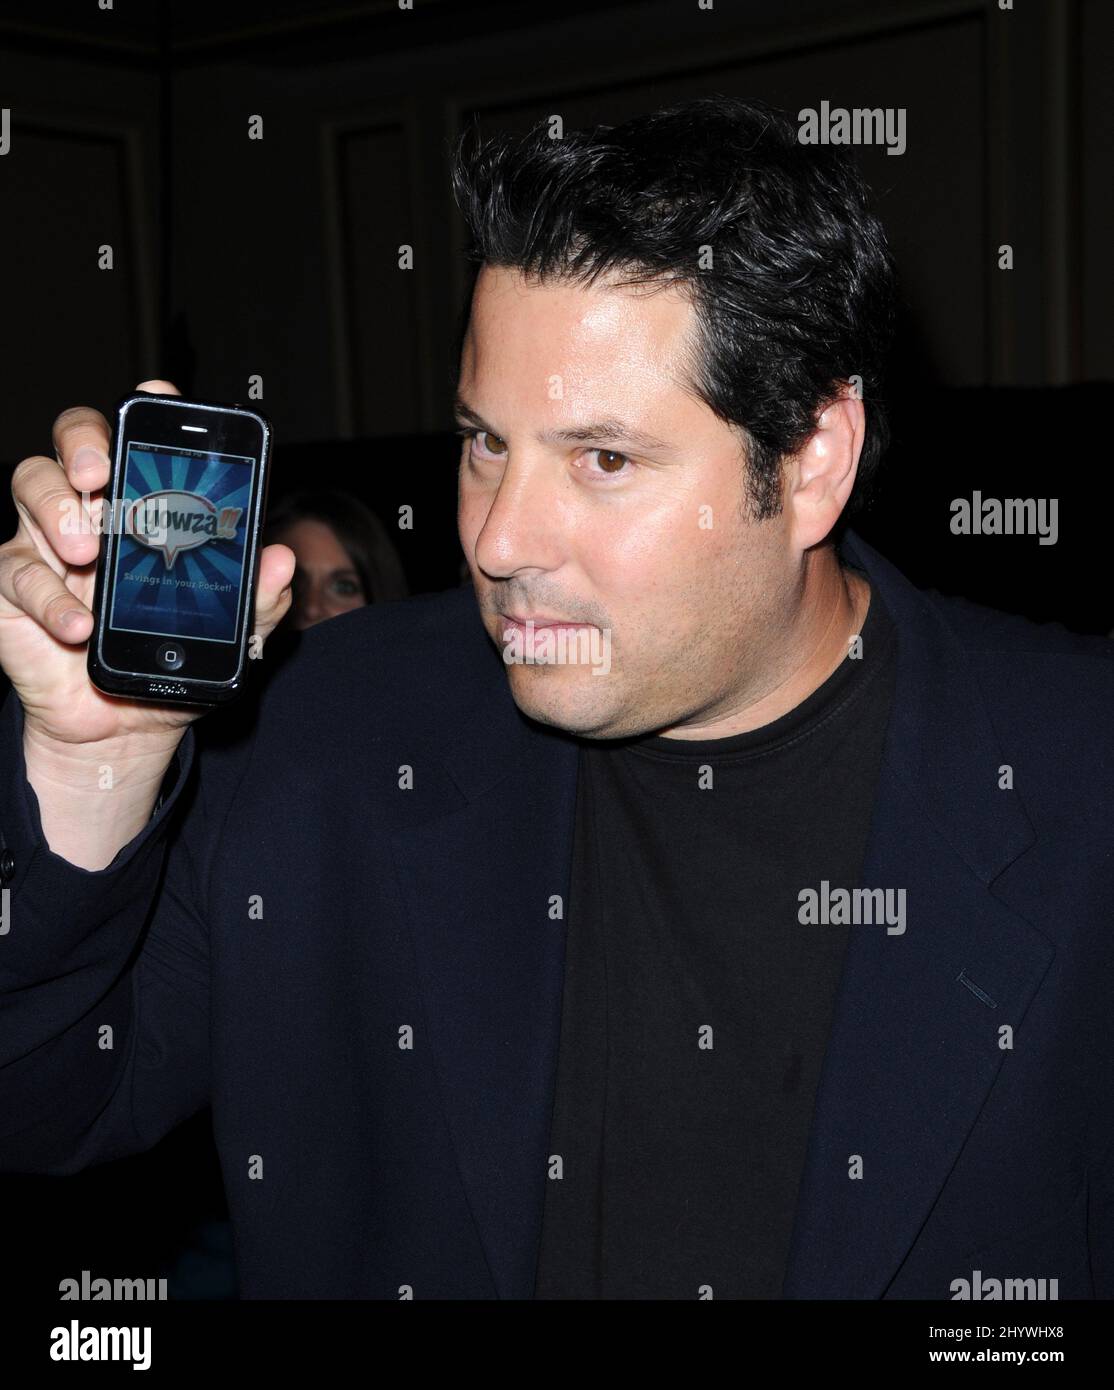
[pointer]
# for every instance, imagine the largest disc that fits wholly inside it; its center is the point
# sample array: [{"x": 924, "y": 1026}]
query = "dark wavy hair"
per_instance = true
[{"x": 800, "y": 292}]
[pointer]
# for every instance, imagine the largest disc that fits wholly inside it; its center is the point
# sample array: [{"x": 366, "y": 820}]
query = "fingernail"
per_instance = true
[
  {"x": 72, "y": 616},
  {"x": 87, "y": 459}
]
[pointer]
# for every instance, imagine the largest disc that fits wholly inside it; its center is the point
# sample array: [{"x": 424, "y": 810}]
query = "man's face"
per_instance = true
[{"x": 641, "y": 534}]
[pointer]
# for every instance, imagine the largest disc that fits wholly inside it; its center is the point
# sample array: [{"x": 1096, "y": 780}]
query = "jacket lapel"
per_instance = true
[
  {"x": 477, "y": 884},
  {"x": 914, "y": 1047}
]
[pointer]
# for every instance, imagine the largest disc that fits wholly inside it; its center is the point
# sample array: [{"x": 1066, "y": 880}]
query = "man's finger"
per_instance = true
[
  {"x": 47, "y": 504},
  {"x": 276, "y": 573},
  {"x": 159, "y": 388},
  {"x": 28, "y": 582},
  {"x": 81, "y": 437}
]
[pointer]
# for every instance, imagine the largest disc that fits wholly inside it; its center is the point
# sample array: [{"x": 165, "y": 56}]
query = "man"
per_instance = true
[{"x": 530, "y": 956}]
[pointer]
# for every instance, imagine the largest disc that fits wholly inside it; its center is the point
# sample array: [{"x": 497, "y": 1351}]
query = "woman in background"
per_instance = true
[{"x": 345, "y": 558}]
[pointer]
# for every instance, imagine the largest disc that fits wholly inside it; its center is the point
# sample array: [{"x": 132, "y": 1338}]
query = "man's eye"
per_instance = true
[
  {"x": 480, "y": 443},
  {"x": 610, "y": 461}
]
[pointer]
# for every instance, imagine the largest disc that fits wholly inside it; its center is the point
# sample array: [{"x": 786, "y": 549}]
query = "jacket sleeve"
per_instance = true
[{"x": 104, "y": 975}]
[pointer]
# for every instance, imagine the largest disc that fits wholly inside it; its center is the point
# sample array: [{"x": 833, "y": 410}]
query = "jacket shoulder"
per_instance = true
[
  {"x": 428, "y": 654},
  {"x": 985, "y": 629},
  {"x": 1050, "y": 685}
]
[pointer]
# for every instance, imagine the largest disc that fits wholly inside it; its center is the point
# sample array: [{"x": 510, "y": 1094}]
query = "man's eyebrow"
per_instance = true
[{"x": 607, "y": 431}]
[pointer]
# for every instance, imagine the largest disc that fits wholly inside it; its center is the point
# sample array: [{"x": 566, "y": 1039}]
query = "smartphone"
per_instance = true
[{"x": 174, "y": 604}]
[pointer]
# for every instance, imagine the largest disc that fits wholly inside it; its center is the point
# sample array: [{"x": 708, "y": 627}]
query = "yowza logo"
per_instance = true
[{"x": 177, "y": 521}]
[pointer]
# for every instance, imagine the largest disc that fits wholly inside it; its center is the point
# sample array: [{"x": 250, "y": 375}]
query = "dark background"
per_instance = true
[{"x": 235, "y": 258}]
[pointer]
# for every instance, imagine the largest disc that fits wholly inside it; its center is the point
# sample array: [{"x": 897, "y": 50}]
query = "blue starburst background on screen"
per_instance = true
[{"x": 199, "y": 595}]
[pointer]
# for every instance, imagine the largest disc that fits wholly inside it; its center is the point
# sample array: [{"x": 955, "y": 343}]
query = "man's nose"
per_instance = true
[{"x": 524, "y": 524}]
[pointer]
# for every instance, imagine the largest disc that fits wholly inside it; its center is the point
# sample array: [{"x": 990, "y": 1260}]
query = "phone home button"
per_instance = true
[{"x": 170, "y": 656}]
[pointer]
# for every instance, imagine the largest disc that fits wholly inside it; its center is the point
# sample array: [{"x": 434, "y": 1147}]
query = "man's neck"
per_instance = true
[{"x": 835, "y": 604}]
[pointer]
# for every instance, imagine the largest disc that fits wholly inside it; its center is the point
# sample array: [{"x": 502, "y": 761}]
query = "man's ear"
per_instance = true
[{"x": 823, "y": 472}]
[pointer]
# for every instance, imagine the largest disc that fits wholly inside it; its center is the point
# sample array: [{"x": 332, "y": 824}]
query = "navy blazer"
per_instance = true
[{"x": 363, "y": 978}]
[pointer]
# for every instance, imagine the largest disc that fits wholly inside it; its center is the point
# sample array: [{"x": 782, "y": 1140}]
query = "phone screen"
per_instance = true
[{"x": 182, "y": 542}]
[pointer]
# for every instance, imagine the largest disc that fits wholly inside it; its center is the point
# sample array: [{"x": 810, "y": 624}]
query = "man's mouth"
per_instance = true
[{"x": 525, "y": 621}]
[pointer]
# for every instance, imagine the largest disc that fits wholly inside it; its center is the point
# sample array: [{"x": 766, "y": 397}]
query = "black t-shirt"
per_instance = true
[{"x": 696, "y": 1006}]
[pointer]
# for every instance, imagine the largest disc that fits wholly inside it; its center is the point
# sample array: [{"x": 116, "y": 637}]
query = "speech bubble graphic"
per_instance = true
[{"x": 172, "y": 521}]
